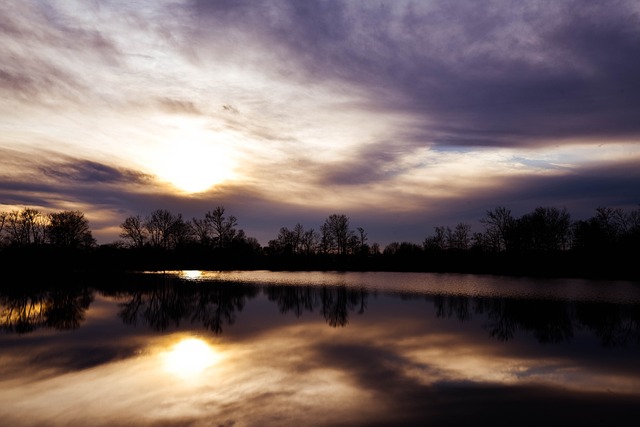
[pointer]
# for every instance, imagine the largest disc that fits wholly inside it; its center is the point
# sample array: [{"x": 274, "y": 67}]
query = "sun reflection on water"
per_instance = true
[
  {"x": 190, "y": 357},
  {"x": 190, "y": 274}
]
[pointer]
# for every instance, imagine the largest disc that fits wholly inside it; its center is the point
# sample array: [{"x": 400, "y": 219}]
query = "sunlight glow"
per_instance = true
[
  {"x": 194, "y": 166},
  {"x": 185, "y": 153},
  {"x": 191, "y": 274},
  {"x": 189, "y": 358}
]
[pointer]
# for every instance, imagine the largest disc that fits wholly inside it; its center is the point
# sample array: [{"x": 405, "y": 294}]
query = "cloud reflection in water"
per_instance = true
[{"x": 393, "y": 358}]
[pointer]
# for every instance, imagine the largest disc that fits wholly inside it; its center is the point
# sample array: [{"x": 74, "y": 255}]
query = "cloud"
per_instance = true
[
  {"x": 63, "y": 182},
  {"x": 86, "y": 171},
  {"x": 46, "y": 54},
  {"x": 403, "y": 115},
  {"x": 368, "y": 164},
  {"x": 498, "y": 73},
  {"x": 610, "y": 184}
]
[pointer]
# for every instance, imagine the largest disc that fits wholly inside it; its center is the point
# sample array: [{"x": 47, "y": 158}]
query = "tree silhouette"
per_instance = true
[
  {"x": 438, "y": 241},
  {"x": 222, "y": 227},
  {"x": 165, "y": 230},
  {"x": 69, "y": 229},
  {"x": 294, "y": 241},
  {"x": 25, "y": 227},
  {"x": 544, "y": 229},
  {"x": 133, "y": 231},
  {"x": 3, "y": 219},
  {"x": 336, "y": 234},
  {"x": 461, "y": 237},
  {"x": 498, "y": 225}
]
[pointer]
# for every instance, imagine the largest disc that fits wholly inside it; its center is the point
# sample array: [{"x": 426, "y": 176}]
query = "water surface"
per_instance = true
[{"x": 266, "y": 348}]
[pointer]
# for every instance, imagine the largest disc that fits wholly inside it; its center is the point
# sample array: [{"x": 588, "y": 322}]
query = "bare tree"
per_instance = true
[
  {"x": 392, "y": 248},
  {"x": 310, "y": 241},
  {"x": 375, "y": 248},
  {"x": 461, "y": 239},
  {"x": 201, "y": 230},
  {"x": 498, "y": 224},
  {"x": 296, "y": 236},
  {"x": 293, "y": 241},
  {"x": 69, "y": 229},
  {"x": 479, "y": 242},
  {"x": 439, "y": 241},
  {"x": 25, "y": 227},
  {"x": 363, "y": 248},
  {"x": 223, "y": 227},
  {"x": 134, "y": 231},
  {"x": 634, "y": 220},
  {"x": 3, "y": 218},
  {"x": 160, "y": 225},
  {"x": 181, "y": 233},
  {"x": 611, "y": 221},
  {"x": 544, "y": 229},
  {"x": 336, "y": 234},
  {"x": 285, "y": 242}
]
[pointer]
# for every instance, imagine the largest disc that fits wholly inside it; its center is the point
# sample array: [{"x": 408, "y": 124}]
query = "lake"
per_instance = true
[{"x": 199, "y": 348}]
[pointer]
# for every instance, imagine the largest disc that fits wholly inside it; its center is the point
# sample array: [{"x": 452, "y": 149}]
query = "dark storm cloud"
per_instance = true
[{"x": 500, "y": 73}]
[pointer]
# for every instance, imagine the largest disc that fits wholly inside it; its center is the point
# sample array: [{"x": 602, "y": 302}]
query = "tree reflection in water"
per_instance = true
[
  {"x": 165, "y": 301},
  {"x": 26, "y": 311},
  {"x": 335, "y": 302},
  {"x": 550, "y": 321},
  {"x": 615, "y": 325},
  {"x": 216, "y": 304},
  {"x": 170, "y": 303}
]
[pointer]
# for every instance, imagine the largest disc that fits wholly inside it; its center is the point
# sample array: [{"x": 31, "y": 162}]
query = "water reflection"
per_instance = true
[
  {"x": 614, "y": 325},
  {"x": 335, "y": 303},
  {"x": 164, "y": 302},
  {"x": 548, "y": 321},
  {"x": 189, "y": 357},
  {"x": 170, "y": 303},
  {"x": 25, "y": 311},
  {"x": 190, "y": 274},
  {"x": 189, "y": 349}
]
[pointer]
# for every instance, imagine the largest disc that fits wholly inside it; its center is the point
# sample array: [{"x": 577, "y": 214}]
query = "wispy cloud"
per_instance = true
[{"x": 377, "y": 109}]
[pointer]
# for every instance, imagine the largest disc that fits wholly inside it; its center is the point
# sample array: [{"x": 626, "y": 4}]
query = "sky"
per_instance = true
[{"x": 402, "y": 115}]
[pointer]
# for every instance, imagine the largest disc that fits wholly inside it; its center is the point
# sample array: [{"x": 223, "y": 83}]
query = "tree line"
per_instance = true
[
  {"x": 30, "y": 227},
  {"x": 217, "y": 230},
  {"x": 545, "y": 229},
  {"x": 162, "y": 239}
]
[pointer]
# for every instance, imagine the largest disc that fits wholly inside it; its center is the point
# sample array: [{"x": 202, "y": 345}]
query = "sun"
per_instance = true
[
  {"x": 193, "y": 166},
  {"x": 187, "y": 154},
  {"x": 189, "y": 358}
]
